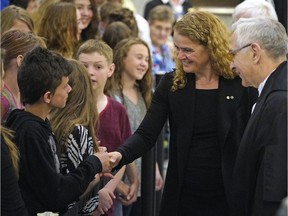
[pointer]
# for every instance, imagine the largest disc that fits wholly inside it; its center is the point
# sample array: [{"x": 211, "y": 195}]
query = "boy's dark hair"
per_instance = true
[{"x": 41, "y": 71}]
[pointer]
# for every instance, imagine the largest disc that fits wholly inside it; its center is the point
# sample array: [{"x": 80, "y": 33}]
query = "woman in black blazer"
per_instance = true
[{"x": 208, "y": 110}]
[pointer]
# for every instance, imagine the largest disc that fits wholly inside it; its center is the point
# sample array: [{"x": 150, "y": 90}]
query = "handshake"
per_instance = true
[{"x": 108, "y": 160}]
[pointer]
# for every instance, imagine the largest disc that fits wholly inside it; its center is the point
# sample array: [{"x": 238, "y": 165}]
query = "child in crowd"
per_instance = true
[
  {"x": 11, "y": 199},
  {"x": 43, "y": 84},
  {"x": 113, "y": 126},
  {"x": 131, "y": 85},
  {"x": 89, "y": 18},
  {"x": 59, "y": 26},
  {"x": 13, "y": 17},
  {"x": 38, "y": 14},
  {"x": 16, "y": 44},
  {"x": 74, "y": 129}
]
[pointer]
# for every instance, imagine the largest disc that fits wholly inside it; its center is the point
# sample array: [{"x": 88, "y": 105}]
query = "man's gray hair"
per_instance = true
[
  {"x": 254, "y": 8},
  {"x": 269, "y": 34}
]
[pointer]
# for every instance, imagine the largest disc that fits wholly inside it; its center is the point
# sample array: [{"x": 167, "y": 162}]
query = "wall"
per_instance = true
[{"x": 223, "y": 8}]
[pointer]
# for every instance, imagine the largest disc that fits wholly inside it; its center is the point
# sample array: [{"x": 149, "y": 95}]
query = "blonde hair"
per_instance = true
[
  {"x": 98, "y": 46},
  {"x": 80, "y": 107},
  {"x": 120, "y": 53},
  {"x": 38, "y": 15},
  {"x": 7, "y": 134},
  {"x": 15, "y": 43},
  {"x": 94, "y": 45},
  {"x": 12, "y": 13},
  {"x": 208, "y": 30},
  {"x": 59, "y": 27}
]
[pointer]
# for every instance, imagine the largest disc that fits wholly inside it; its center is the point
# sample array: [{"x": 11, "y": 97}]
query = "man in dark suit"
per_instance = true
[{"x": 260, "y": 173}]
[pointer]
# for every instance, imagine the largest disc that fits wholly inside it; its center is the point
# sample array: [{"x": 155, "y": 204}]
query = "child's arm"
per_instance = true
[
  {"x": 106, "y": 194},
  {"x": 123, "y": 189},
  {"x": 134, "y": 184},
  {"x": 96, "y": 179}
]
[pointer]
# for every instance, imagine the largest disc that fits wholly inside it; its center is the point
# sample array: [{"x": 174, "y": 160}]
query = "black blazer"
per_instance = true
[
  {"x": 260, "y": 175},
  {"x": 233, "y": 113}
]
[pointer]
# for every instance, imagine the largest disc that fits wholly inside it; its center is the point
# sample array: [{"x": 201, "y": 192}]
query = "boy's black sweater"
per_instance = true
[{"x": 42, "y": 186}]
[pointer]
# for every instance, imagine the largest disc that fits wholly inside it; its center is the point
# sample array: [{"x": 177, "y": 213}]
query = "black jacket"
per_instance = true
[
  {"x": 42, "y": 187},
  {"x": 260, "y": 175},
  {"x": 11, "y": 199},
  {"x": 233, "y": 114}
]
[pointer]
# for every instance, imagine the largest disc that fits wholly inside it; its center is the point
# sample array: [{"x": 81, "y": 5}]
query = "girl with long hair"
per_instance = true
[
  {"x": 16, "y": 44},
  {"x": 131, "y": 84},
  {"x": 11, "y": 199},
  {"x": 73, "y": 127},
  {"x": 59, "y": 27}
]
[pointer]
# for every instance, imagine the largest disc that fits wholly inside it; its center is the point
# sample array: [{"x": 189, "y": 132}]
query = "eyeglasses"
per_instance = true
[{"x": 234, "y": 52}]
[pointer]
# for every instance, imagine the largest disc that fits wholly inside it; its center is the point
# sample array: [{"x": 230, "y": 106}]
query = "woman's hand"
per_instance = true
[{"x": 115, "y": 158}]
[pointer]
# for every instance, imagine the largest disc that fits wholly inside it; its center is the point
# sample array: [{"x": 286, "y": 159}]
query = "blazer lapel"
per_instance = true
[
  {"x": 229, "y": 95},
  {"x": 279, "y": 76}
]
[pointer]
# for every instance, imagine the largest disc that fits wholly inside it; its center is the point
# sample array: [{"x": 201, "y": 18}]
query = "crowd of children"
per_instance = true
[
  {"x": 72, "y": 103},
  {"x": 78, "y": 78}
]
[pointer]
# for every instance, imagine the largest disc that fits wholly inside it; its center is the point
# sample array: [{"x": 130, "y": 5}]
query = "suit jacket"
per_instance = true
[
  {"x": 233, "y": 113},
  {"x": 151, "y": 4},
  {"x": 260, "y": 175},
  {"x": 281, "y": 10}
]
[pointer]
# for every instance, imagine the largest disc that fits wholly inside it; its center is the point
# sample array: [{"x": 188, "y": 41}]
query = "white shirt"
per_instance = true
[{"x": 260, "y": 88}]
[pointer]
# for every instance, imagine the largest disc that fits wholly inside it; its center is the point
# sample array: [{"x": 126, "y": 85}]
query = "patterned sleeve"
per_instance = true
[{"x": 79, "y": 146}]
